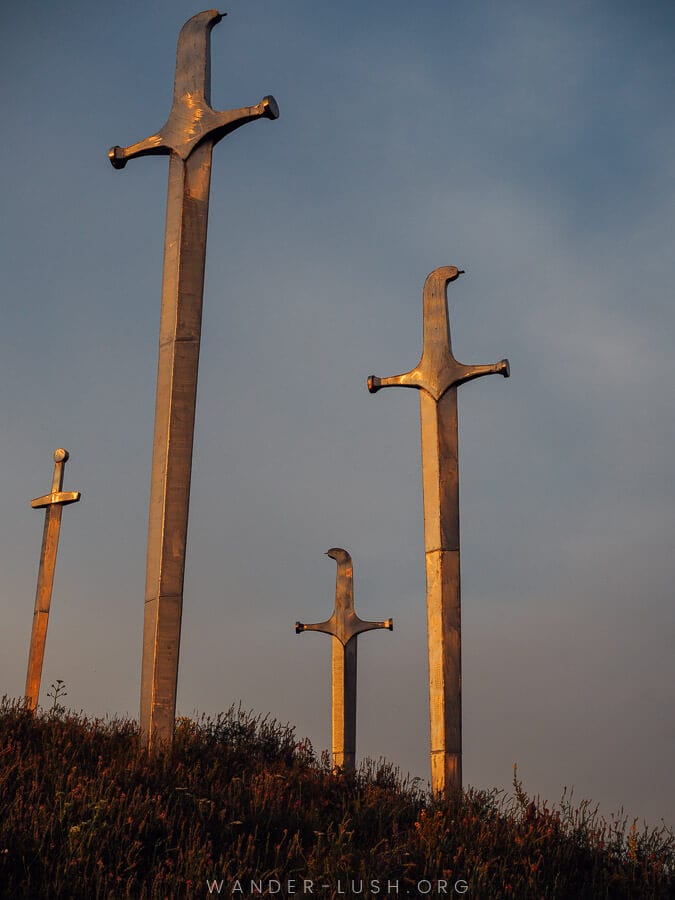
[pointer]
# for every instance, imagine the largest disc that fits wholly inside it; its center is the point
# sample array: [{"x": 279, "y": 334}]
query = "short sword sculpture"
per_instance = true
[
  {"x": 53, "y": 504},
  {"x": 437, "y": 376},
  {"x": 188, "y": 138},
  {"x": 345, "y": 626}
]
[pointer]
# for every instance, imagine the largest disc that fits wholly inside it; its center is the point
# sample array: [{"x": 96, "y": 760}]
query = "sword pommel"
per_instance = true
[
  {"x": 192, "y": 120},
  {"x": 437, "y": 370},
  {"x": 299, "y": 627},
  {"x": 339, "y": 555},
  {"x": 445, "y": 274}
]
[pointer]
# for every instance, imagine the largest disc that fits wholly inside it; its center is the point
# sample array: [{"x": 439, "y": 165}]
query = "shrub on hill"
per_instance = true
[{"x": 240, "y": 806}]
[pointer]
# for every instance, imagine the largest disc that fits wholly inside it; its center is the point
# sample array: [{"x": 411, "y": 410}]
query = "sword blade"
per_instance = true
[
  {"x": 440, "y": 477},
  {"x": 43, "y": 599},
  {"x": 179, "y": 341},
  {"x": 344, "y": 704}
]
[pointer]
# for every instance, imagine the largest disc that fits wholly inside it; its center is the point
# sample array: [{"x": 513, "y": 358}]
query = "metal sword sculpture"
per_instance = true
[
  {"x": 345, "y": 626},
  {"x": 188, "y": 138},
  {"x": 53, "y": 503},
  {"x": 437, "y": 376}
]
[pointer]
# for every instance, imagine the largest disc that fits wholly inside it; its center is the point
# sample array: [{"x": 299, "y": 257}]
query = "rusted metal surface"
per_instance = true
[
  {"x": 344, "y": 626},
  {"x": 188, "y": 137},
  {"x": 53, "y": 504},
  {"x": 437, "y": 376}
]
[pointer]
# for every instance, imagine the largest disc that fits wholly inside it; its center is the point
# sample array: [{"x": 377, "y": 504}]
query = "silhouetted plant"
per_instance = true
[{"x": 56, "y": 691}]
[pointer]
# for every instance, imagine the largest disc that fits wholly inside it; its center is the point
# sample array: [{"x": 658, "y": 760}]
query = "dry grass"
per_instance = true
[{"x": 84, "y": 813}]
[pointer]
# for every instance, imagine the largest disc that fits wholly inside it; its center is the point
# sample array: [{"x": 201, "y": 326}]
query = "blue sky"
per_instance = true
[{"x": 528, "y": 143}]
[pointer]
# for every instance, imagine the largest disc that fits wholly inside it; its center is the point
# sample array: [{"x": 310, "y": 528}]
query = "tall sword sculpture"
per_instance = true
[
  {"x": 53, "y": 504},
  {"x": 188, "y": 138},
  {"x": 345, "y": 626},
  {"x": 437, "y": 376}
]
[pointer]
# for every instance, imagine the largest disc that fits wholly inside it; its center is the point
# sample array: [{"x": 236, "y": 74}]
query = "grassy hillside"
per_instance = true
[{"x": 84, "y": 814}]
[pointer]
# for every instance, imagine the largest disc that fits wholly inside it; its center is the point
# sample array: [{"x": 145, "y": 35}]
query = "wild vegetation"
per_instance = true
[{"x": 241, "y": 805}]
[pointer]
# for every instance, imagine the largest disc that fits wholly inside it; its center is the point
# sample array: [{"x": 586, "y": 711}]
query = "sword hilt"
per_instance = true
[
  {"x": 57, "y": 495},
  {"x": 438, "y": 370},
  {"x": 344, "y": 624},
  {"x": 192, "y": 119}
]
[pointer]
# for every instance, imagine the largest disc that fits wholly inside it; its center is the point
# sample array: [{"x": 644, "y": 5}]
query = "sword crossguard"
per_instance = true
[
  {"x": 57, "y": 496},
  {"x": 438, "y": 370},
  {"x": 344, "y": 624},
  {"x": 192, "y": 119}
]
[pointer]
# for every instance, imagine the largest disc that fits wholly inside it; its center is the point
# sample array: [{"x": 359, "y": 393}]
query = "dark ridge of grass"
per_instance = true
[{"x": 84, "y": 813}]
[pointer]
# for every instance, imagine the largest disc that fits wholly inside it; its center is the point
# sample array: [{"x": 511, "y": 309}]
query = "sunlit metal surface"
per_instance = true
[
  {"x": 53, "y": 504},
  {"x": 437, "y": 376},
  {"x": 345, "y": 626},
  {"x": 191, "y": 119},
  {"x": 188, "y": 137}
]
